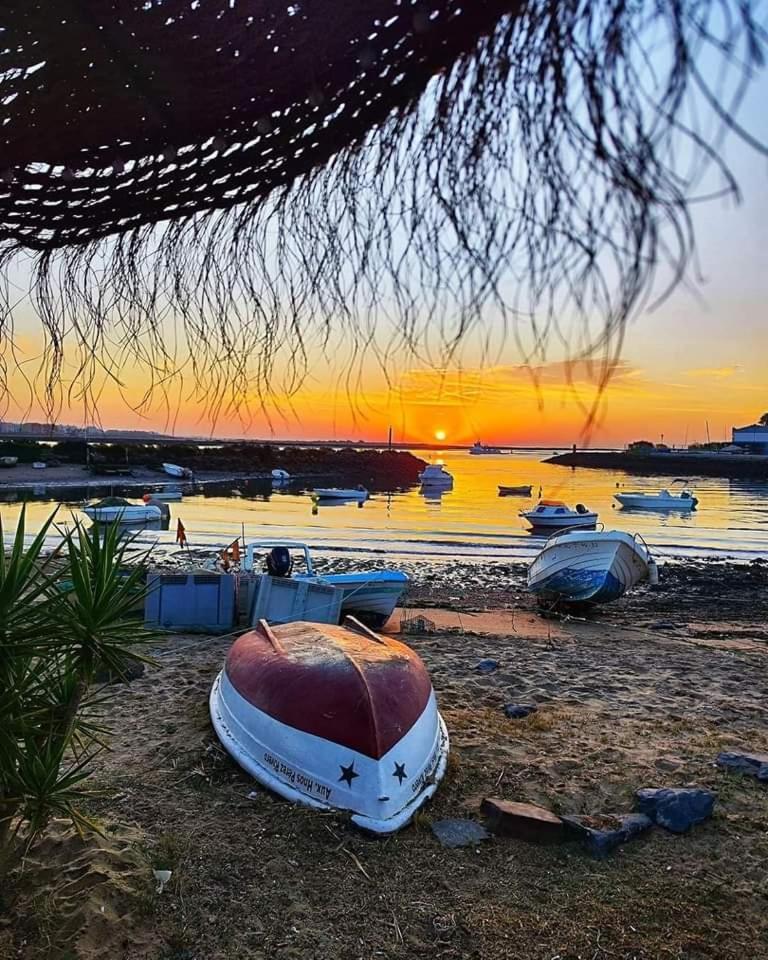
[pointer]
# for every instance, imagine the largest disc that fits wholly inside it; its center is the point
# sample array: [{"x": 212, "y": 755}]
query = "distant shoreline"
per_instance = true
[{"x": 733, "y": 466}]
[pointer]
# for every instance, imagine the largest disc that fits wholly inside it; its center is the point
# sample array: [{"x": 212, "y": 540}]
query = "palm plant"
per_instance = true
[{"x": 63, "y": 617}]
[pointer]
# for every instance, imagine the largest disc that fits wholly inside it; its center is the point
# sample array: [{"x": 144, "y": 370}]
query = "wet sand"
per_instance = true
[{"x": 643, "y": 693}]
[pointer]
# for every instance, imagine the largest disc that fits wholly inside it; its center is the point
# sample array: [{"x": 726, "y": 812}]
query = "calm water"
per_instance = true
[{"x": 471, "y": 520}]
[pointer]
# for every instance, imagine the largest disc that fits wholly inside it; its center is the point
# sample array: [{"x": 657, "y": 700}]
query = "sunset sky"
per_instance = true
[{"x": 701, "y": 356}]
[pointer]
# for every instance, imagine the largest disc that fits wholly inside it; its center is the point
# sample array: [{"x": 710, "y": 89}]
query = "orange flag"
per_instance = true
[
  {"x": 181, "y": 533},
  {"x": 235, "y": 548}
]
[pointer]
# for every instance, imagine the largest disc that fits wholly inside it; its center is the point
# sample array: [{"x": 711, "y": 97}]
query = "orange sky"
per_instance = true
[{"x": 700, "y": 356}]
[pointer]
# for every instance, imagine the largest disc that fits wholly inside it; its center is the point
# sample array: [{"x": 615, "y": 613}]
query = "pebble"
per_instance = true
[
  {"x": 751, "y": 764},
  {"x": 676, "y": 808},
  {"x": 459, "y": 833},
  {"x": 487, "y": 666},
  {"x": 516, "y": 711}
]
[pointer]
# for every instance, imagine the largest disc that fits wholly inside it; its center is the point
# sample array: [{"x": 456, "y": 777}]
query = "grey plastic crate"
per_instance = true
[
  {"x": 283, "y": 600},
  {"x": 203, "y": 602}
]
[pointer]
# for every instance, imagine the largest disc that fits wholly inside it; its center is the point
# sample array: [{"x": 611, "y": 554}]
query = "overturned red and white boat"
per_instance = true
[{"x": 333, "y": 717}]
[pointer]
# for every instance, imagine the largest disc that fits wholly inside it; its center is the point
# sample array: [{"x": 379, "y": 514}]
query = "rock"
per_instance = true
[
  {"x": 516, "y": 711},
  {"x": 522, "y": 820},
  {"x": 487, "y": 666},
  {"x": 459, "y": 833},
  {"x": 668, "y": 763},
  {"x": 663, "y": 625},
  {"x": 603, "y": 833},
  {"x": 751, "y": 764},
  {"x": 676, "y": 808}
]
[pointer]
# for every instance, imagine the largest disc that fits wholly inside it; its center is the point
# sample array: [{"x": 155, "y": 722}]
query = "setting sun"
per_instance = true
[{"x": 439, "y": 434}]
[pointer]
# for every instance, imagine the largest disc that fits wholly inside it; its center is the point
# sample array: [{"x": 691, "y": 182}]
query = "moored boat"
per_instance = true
[
  {"x": 521, "y": 491},
  {"x": 662, "y": 500},
  {"x": 168, "y": 496},
  {"x": 8, "y": 461},
  {"x": 435, "y": 475},
  {"x": 173, "y": 470},
  {"x": 594, "y": 567},
  {"x": 280, "y": 476},
  {"x": 112, "y": 509},
  {"x": 371, "y": 595},
  {"x": 556, "y": 515},
  {"x": 479, "y": 449},
  {"x": 333, "y": 718},
  {"x": 340, "y": 493}
]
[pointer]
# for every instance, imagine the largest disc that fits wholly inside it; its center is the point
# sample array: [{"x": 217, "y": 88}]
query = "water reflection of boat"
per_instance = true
[
  {"x": 333, "y": 718},
  {"x": 594, "y": 567}
]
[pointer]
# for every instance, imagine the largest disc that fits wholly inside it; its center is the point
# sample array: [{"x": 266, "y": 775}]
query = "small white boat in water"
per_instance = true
[
  {"x": 167, "y": 496},
  {"x": 590, "y": 567},
  {"x": 112, "y": 509},
  {"x": 663, "y": 500},
  {"x": 479, "y": 449},
  {"x": 435, "y": 475},
  {"x": 8, "y": 461},
  {"x": 371, "y": 595},
  {"x": 336, "y": 718},
  {"x": 556, "y": 515},
  {"x": 340, "y": 493},
  {"x": 280, "y": 476},
  {"x": 522, "y": 491},
  {"x": 175, "y": 471}
]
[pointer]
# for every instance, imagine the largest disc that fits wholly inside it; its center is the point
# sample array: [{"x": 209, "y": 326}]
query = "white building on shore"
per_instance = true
[{"x": 754, "y": 438}]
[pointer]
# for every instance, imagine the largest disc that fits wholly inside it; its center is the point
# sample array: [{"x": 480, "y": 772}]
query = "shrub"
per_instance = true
[{"x": 53, "y": 640}]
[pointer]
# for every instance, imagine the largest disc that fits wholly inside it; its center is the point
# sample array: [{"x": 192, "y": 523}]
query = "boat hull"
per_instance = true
[
  {"x": 363, "y": 736},
  {"x": 588, "y": 568},
  {"x": 370, "y": 597},
  {"x": 134, "y": 514},
  {"x": 524, "y": 491},
  {"x": 641, "y": 502},
  {"x": 584, "y": 520},
  {"x": 339, "y": 494}
]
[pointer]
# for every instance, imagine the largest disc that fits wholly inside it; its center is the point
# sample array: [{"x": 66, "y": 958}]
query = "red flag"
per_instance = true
[
  {"x": 235, "y": 548},
  {"x": 181, "y": 533}
]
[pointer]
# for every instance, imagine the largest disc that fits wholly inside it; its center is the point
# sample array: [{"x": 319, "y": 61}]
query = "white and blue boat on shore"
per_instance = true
[
  {"x": 578, "y": 566},
  {"x": 371, "y": 596}
]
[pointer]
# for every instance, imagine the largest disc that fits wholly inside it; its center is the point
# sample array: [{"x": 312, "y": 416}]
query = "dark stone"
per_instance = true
[
  {"x": 676, "y": 808},
  {"x": 131, "y": 672},
  {"x": 487, "y": 666},
  {"x": 663, "y": 625},
  {"x": 516, "y": 711},
  {"x": 604, "y": 833},
  {"x": 459, "y": 833},
  {"x": 525, "y": 821},
  {"x": 751, "y": 764}
]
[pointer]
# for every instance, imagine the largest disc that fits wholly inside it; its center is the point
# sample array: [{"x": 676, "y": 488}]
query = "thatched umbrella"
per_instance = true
[{"x": 256, "y": 169}]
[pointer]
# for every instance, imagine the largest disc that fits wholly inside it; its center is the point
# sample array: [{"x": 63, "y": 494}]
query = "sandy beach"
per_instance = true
[{"x": 644, "y": 693}]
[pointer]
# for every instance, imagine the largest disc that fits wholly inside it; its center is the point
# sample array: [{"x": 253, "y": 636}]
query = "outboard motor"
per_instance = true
[
  {"x": 279, "y": 562},
  {"x": 580, "y": 508}
]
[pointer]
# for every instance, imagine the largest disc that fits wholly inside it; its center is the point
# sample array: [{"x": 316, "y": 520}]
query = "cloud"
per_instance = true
[{"x": 713, "y": 373}]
